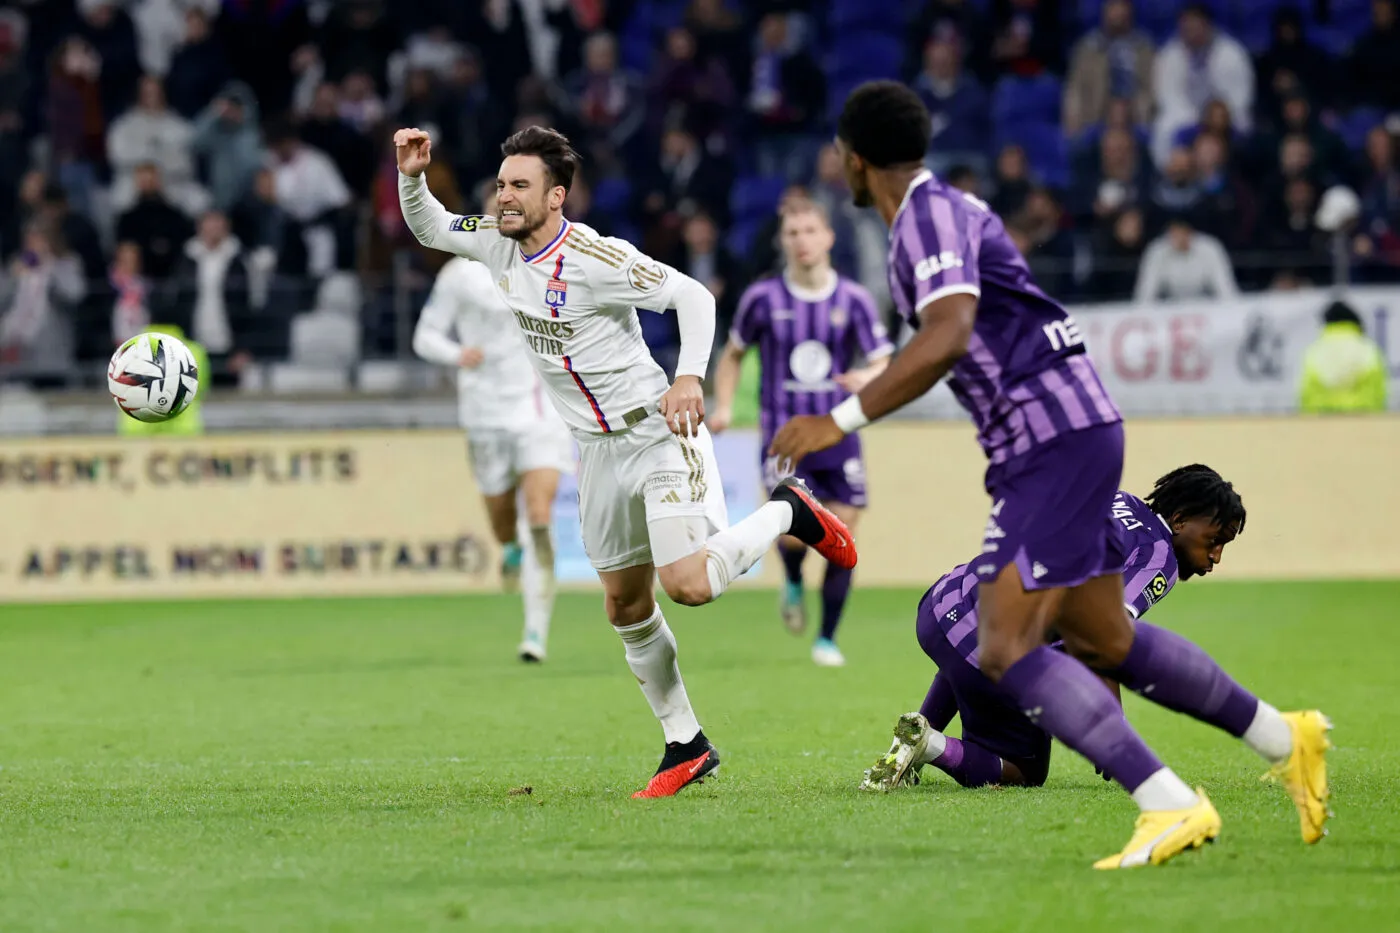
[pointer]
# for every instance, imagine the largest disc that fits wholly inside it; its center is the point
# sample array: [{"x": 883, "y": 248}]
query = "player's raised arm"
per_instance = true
[{"x": 432, "y": 224}]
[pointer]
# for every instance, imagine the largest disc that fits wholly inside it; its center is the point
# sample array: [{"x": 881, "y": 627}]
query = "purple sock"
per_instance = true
[
  {"x": 792, "y": 562},
  {"x": 1169, "y": 670},
  {"x": 940, "y": 706},
  {"x": 836, "y": 586},
  {"x": 1067, "y": 700},
  {"x": 969, "y": 764}
]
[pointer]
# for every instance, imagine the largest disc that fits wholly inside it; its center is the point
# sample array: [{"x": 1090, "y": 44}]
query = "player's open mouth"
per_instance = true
[{"x": 512, "y": 214}]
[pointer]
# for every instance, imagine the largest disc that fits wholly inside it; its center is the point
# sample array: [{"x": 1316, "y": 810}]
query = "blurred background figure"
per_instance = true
[{"x": 1344, "y": 370}]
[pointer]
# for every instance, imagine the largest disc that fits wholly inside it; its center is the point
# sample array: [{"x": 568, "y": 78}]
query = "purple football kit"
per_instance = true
[{"x": 805, "y": 340}]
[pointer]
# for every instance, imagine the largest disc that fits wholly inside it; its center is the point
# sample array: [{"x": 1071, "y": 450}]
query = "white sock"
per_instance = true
[
  {"x": 651, "y": 653},
  {"x": 934, "y": 745},
  {"x": 537, "y": 585},
  {"x": 1164, "y": 791},
  {"x": 737, "y": 548},
  {"x": 1269, "y": 734}
]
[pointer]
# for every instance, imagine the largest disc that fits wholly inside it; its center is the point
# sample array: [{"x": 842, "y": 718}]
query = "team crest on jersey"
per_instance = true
[
  {"x": 838, "y": 317},
  {"x": 556, "y": 293}
]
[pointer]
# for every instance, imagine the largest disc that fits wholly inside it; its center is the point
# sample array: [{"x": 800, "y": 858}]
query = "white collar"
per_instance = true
[
  {"x": 915, "y": 182},
  {"x": 813, "y": 295}
]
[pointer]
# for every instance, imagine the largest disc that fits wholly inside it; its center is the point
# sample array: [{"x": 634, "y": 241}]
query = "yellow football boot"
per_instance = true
[
  {"x": 1304, "y": 772},
  {"x": 1161, "y": 834}
]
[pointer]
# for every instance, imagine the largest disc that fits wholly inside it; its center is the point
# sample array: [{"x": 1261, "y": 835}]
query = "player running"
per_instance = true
[
  {"x": 517, "y": 442},
  {"x": 651, "y": 505},
  {"x": 1054, "y": 443},
  {"x": 810, "y": 326},
  {"x": 1179, "y": 532}
]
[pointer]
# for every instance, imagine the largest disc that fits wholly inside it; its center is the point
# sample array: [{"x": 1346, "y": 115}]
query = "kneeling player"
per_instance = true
[{"x": 1180, "y": 531}]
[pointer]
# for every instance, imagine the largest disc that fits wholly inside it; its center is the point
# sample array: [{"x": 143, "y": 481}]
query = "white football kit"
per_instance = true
[
  {"x": 575, "y": 303},
  {"x": 511, "y": 428}
]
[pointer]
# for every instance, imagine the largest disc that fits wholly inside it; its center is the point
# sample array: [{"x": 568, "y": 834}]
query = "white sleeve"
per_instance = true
[
  {"x": 432, "y": 337},
  {"x": 1149, "y": 275},
  {"x": 695, "y": 317},
  {"x": 436, "y": 228}
]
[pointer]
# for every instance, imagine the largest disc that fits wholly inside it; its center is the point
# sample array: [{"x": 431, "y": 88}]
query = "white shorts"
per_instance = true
[
  {"x": 500, "y": 456},
  {"x": 632, "y": 484}
]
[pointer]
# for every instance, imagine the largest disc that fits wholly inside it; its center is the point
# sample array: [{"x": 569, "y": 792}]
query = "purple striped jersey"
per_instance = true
[
  {"x": 805, "y": 339},
  {"x": 1149, "y": 574},
  {"x": 1025, "y": 377}
]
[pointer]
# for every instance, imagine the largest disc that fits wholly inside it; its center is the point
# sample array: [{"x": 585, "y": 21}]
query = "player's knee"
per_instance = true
[
  {"x": 995, "y": 657},
  {"x": 630, "y": 609},
  {"x": 687, "y": 589}
]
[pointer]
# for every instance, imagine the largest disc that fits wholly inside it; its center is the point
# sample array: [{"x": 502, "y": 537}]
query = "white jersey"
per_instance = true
[
  {"x": 465, "y": 310},
  {"x": 576, "y": 303}
]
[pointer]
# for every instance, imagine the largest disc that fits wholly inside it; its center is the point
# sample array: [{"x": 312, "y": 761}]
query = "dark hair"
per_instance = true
[
  {"x": 1202, "y": 10},
  {"x": 885, "y": 123},
  {"x": 553, "y": 149},
  {"x": 1339, "y": 312},
  {"x": 1197, "y": 491}
]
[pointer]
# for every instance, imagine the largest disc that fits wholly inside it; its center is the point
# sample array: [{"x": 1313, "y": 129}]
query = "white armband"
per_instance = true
[{"x": 849, "y": 416}]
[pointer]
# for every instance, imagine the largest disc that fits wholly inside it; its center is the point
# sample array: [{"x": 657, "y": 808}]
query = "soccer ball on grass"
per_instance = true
[{"x": 153, "y": 377}]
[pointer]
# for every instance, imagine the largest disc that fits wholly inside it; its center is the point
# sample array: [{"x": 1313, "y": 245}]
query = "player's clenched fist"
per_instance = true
[
  {"x": 803, "y": 435},
  {"x": 413, "y": 149},
  {"x": 683, "y": 406}
]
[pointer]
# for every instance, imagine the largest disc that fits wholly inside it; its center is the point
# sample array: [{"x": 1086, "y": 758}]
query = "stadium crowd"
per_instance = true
[{"x": 226, "y": 165}]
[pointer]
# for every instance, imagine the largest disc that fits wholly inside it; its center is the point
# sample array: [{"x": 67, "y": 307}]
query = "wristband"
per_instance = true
[{"x": 849, "y": 416}]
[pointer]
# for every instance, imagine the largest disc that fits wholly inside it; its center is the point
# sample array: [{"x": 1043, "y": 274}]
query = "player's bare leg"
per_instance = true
[
  {"x": 791, "y": 606},
  {"x": 504, "y": 516},
  {"x": 836, "y": 588},
  {"x": 1171, "y": 671},
  {"x": 651, "y": 654},
  {"x": 1070, "y": 702},
  {"x": 537, "y": 489}
]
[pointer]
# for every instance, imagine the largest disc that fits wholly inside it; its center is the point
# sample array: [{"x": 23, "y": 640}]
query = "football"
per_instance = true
[{"x": 153, "y": 377}]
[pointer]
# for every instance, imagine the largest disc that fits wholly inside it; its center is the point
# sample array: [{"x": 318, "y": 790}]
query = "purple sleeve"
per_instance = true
[
  {"x": 750, "y": 319},
  {"x": 1146, "y": 578},
  {"x": 871, "y": 335},
  {"x": 942, "y": 240}
]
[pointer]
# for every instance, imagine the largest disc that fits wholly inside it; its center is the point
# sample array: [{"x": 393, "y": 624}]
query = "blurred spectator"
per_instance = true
[
  {"x": 422, "y": 107},
  {"x": 1112, "y": 62},
  {"x": 75, "y": 120},
  {"x": 260, "y": 39},
  {"x": 209, "y": 296},
  {"x": 608, "y": 103},
  {"x": 262, "y": 226},
  {"x": 688, "y": 178},
  {"x": 861, "y": 237},
  {"x": 959, "y": 21},
  {"x": 719, "y": 34},
  {"x": 155, "y": 225},
  {"x": 27, "y": 206},
  {"x": 1343, "y": 369},
  {"x": 1026, "y": 38},
  {"x": 1375, "y": 60},
  {"x": 786, "y": 94},
  {"x": 131, "y": 307},
  {"x": 388, "y": 232},
  {"x": 689, "y": 90},
  {"x": 353, "y": 153},
  {"x": 1175, "y": 193},
  {"x": 1292, "y": 234},
  {"x": 161, "y": 27},
  {"x": 39, "y": 294},
  {"x": 1118, "y": 242},
  {"x": 1199, "y": 65},
  {"x": 313, "y": 193},
  {"x": 499, "y": 33},
  {"x": 1291, "y": 65},
  {"x": 110, "y": 32},
  {"x": 1011, "y": 180},
  {"x": 362, "y": 108},
  {"x": 198, "y": 68},
  {"x": 1215, "y": 120},
  {"x": 151, "y": 133},
  {"x": 226, "y": 136},
  {"x": 479, "y": 118},
  {"x": 964, "y": 178},
  {"x": 1330, "y": 154},
  {"x": 1182, "y": 264},
  {"x": 1228, "y": 208},
  {"x": 433, "y": 50},
  {"x": 1377, "y": 242},
  {"x": 358, "y": 35},
  {"x": 1048, "y": 249},
  {"x": 15, "y": 89},
  {"x": 704, "y": 258},
  {"x": 959, "y": 105},
  {"x": 73, "y": 230}
]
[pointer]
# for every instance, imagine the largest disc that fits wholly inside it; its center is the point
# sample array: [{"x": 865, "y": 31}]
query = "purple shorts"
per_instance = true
[
  {"x": 989, "y": 718},
  {"x": 1051, "y": 511},
  {"x": 836, "y": 474}
]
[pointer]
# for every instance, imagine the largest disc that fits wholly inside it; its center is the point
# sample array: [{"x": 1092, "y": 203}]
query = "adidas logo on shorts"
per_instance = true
[
  {"x": 671, "y": 497},
  {"x": 1038, "y": 570}
]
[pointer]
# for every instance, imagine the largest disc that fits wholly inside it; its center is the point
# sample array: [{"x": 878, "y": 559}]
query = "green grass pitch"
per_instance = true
[{"x": 349, "y": 765}]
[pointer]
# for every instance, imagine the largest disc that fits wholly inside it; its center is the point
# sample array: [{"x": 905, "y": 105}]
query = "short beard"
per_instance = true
[{"x": 526, "y": 228}]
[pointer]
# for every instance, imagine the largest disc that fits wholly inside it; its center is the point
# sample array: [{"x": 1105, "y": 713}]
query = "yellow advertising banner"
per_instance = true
[{"x": 333, "y": 513}]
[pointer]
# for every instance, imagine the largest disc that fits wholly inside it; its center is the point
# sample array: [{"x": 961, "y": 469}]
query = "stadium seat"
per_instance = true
[
  {"x": 852, "y": 16},
  {"x": 612, "y": 195},
  {"x": 1046, "y": 150},
  {"x": 865, "y": 56},
  {"x": 1016, "y": 101},
  {"x": 740, "y": 237},
  {"x": 755, "y": 197}
]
